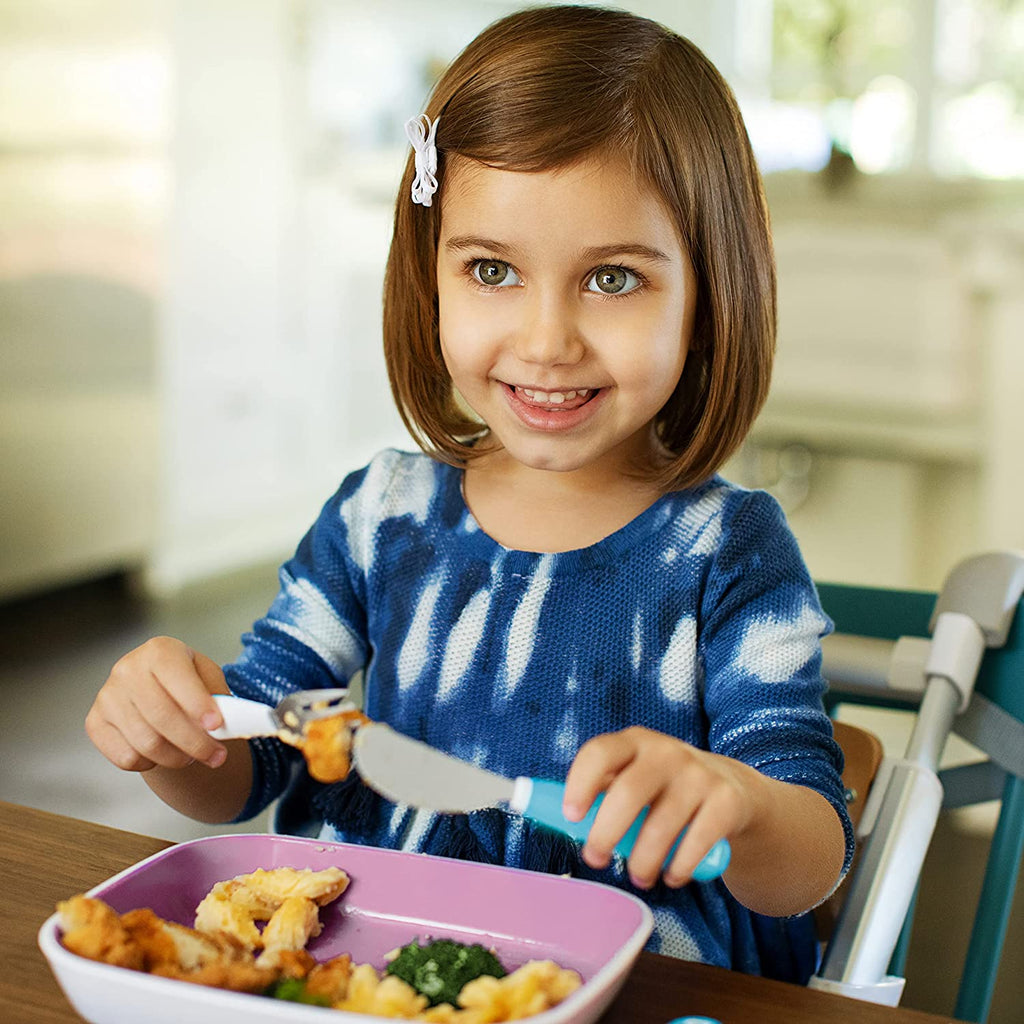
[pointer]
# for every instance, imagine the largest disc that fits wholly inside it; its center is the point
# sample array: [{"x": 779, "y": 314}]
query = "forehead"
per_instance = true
[{"x": 592, "y": 201}]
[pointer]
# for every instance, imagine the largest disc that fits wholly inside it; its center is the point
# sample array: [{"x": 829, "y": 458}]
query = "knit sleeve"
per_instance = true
[
  {"x": 313, "y": 636},
  {"x": 760, "y": 648}
]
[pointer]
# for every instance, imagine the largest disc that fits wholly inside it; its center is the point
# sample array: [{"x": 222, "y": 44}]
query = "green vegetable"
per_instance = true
[
  {"x": 439, "y": 969},
  {"x": 293, "y": 990}
]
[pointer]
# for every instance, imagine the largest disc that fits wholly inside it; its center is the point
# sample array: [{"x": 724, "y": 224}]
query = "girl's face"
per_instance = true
[{"x": 566, "y": 306}]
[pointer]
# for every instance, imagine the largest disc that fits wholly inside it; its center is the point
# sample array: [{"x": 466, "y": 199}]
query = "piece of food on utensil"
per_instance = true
[
  {"x": 326, "y": 744},
  {"x": 323, "y": 736},
  {"x": 320, "y": 723}
]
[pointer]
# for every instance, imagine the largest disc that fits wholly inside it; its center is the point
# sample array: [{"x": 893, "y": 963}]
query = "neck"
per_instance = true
[{"x": 538, "y": 510}]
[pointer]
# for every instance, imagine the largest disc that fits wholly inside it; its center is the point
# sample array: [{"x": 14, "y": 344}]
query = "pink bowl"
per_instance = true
[{"x": 393, "y": 898}]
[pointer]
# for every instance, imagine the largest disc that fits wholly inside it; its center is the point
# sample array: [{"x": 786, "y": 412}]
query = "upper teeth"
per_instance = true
[{"x": 554, "y": 397}]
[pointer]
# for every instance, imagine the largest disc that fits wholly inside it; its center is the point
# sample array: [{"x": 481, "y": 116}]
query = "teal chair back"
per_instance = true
[{"x": 888, "y": 614}]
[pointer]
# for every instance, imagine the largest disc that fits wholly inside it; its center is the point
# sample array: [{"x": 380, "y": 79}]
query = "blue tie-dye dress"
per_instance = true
[{"x": 697, "y": 619}]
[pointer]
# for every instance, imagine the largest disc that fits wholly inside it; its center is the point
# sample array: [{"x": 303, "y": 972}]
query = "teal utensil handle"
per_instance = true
[{"x": 545, "y": 807}]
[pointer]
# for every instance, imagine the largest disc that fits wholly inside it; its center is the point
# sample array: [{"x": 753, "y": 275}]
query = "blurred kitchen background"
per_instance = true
[{"x": 195, "y": 205}]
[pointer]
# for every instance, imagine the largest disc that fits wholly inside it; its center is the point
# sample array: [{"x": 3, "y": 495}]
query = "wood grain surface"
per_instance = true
[{"x": 48, "y": 857}]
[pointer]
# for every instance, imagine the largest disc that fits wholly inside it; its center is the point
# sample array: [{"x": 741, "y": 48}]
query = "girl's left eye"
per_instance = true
[{"x": 612, "y": 281}]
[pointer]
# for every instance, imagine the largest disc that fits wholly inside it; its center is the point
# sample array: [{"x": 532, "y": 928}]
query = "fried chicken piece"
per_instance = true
[
  {"x": 147, "y": 931},
  {"x": 536, "y": 986},
  {"x": 277, "y": 884},
  {"x": 140, "y": 939},
  {"x": 293, "y": 924},
  {"x": 234, "y": 906},
  {"x": 85, "y": 912},
  {"x": 295, "y": 963},
  {"x": 330, "y": 979},
  {"x": 196, "y": 948},
  {"x": 326, "y": 744},
  {"x": 235, "y": 975},
  {"x": 385, "y": 997},
  {"x": 94, "y": 930},
  {"x": 219, "y": 912},
  {"x": 167, "y": 943}
]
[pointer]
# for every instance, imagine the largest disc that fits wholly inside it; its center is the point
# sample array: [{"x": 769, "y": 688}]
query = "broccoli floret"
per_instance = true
[
  {"x": 439, "y": 969},
  {"x": 293, "y": 990}
]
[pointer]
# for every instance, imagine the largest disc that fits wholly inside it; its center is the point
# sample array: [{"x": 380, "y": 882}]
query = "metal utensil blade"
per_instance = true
[{"x": 407, "y": 771}]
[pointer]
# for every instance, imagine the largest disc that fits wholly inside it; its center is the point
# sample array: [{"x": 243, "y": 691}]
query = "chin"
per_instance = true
[{"x": 566, "y": 461}]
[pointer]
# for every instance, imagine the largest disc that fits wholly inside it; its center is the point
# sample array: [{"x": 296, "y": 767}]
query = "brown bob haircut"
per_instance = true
[{"x": 540, "y": 90}]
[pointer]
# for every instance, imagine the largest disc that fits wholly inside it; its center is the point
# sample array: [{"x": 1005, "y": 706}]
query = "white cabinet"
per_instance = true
[{"x": 900, "y": 377}]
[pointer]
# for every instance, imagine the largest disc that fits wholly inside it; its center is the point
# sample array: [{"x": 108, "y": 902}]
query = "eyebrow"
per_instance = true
[{"x": 592, "y": 254}]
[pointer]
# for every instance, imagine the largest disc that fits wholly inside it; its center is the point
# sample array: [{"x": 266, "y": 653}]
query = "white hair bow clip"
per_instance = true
[{"x": 421, "y": 134}]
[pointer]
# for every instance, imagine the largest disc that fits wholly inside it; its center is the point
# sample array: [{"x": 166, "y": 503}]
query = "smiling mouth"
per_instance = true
[{"x": 566, "y": 399}]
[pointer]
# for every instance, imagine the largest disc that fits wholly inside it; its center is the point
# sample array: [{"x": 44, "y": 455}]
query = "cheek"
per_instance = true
[
  {"x": 461, "y": 347},
  {"x": 451, "y": 321},
  {"x": 472, "y": 332},
  {"x": 673, "y": 334},
  {"x": 655, "y": 350}
]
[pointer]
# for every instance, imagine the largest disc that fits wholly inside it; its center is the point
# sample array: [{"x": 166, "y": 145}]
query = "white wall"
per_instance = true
[
  {"x": 900, "y": 365},
  {"x": 242, "y": 409}
]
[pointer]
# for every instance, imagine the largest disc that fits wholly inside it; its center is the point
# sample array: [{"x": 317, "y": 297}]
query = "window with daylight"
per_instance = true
[{"x": 933, "y": 86}]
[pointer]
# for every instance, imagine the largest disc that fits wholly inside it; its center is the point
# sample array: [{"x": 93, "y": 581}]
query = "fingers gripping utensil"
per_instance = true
[
  {"x": 410, "y": 772},
  {"x": 247, "y": 718}
]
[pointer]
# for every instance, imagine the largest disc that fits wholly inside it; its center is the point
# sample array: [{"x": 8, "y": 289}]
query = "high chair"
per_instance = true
[
  {"x": 958, "y": 658},
  {"x": 862, "y": 757}
]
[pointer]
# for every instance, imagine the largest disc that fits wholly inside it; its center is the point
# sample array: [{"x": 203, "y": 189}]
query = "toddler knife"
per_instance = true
[{"x": 407, "y": 771}]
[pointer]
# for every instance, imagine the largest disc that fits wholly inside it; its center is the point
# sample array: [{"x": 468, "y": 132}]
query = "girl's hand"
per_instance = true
[
  {"x": 156, "y": 707},
  {"x": 709, "y": 795}
]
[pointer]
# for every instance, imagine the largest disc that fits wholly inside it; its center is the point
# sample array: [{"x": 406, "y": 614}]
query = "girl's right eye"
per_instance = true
[{"x": 494, "y": 273}]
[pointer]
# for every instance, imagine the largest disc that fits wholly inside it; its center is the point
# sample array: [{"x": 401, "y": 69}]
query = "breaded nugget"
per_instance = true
[
  {"x": 295, "y": 963},
  {"x": 234, "y": 906},
  {"x": 277, "y": 884},
  {"x": 149, "y": 934},
  {"x": 93, "y": 930},
  {"x": 259, "y": 905},
  {"x": 330, "y": 979},
  {"x": 237, "y": 976},
  {"x": 293, "y": 924},
  {"x": 533, "y": 988},
  {"x": 219, "y": 913},
  {"x": 196, "y": 948},
  {"x": 326, "y": 744},
  {"x": 385, "y": 997},
  {"x": 84, "y": 912}
]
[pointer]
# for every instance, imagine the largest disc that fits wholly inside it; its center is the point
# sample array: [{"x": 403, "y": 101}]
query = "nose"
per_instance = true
[{"x": 550, "y": 334}]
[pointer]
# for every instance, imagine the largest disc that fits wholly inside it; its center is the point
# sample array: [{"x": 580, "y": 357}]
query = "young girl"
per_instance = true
[{"x": 579, "y": 318}]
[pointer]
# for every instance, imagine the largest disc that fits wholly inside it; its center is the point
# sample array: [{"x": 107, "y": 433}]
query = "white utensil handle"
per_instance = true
[{"x": 243, "y": 718}]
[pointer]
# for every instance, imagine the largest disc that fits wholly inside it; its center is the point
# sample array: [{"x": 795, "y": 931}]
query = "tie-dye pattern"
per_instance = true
[{"x": 697, "y": 619}]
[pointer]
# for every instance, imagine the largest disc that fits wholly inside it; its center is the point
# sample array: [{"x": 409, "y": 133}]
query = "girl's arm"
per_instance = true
[
  {"x": 152, "y": 716},
  {"x": 790, "y": 856},
  {"x": 152, "y": 713},
  {"x": 212, "y": 795},
  {"x": 788, "y": 842}
]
